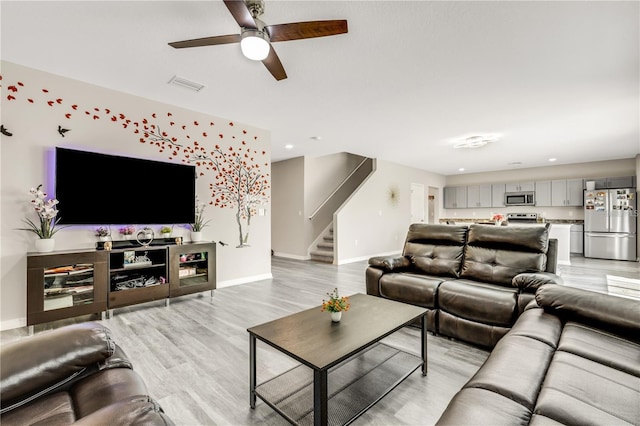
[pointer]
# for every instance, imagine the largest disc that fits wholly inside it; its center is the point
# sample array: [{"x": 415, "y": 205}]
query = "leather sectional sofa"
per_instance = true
[
  {"x": 72, "y": 375},
  {"x": 572, "y": 358},
  {"x": 475, "y": 280}
]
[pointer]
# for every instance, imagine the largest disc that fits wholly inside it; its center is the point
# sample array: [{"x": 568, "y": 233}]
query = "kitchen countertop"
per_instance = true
[{"x": 487, "y": 221}]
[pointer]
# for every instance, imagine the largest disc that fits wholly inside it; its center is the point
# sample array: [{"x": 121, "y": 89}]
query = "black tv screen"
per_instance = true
[{"x": 100, "y": 189}]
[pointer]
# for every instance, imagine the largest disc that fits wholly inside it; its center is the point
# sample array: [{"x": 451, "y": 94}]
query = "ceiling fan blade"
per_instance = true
[
  {"x": 273, "y": 64},
  {"x": 311, "y": 29},
  {"x": 241, "y": 14},
  {"x": 206, "y": 41}
]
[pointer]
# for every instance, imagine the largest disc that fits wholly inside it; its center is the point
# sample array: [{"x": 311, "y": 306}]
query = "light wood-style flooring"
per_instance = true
[{"x": 193, "y": 355}]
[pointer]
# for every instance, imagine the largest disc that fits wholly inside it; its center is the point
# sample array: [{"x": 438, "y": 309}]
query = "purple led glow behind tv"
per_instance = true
[{"x": 100, "y": 189}]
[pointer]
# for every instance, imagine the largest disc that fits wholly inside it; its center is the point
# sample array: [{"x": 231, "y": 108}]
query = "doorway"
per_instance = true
[
  {"x": 417, "y": 203},
  {"x": 432, "y": 205}
]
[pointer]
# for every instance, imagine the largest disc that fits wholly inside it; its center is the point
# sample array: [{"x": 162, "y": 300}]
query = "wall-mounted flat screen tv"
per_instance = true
[{"x": 100, "y": 189}]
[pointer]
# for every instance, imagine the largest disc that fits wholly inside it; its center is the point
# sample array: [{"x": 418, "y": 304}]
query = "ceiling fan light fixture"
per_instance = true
[{"x": 255, "y": 44}]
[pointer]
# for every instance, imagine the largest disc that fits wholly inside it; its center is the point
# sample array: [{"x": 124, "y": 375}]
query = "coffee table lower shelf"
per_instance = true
[{"x": 353, "y": 385}]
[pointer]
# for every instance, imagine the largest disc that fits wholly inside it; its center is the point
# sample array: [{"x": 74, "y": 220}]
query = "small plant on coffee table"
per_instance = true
[{"x": 335, "y": 303}]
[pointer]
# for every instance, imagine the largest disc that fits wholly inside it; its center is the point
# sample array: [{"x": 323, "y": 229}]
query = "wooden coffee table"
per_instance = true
[{"x": 344, "y": 368}]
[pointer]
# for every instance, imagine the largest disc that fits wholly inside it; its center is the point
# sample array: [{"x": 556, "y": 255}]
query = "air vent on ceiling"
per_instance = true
[{"x": 187, "y": 84}]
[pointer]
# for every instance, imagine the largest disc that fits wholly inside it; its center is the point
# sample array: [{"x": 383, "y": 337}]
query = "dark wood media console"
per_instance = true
[{"x": 65, "y": 284}]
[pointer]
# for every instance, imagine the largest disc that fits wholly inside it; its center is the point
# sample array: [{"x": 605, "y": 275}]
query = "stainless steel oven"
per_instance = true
[{"x": 524, "y": 198}]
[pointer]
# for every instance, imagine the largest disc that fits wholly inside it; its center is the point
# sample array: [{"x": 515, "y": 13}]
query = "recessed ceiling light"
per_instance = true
[
  {"x": 475, "y": 141},
  {"x": 289, "y": 146},
  {"x": 461, "y": 169},
  {"x": 316, "y": 138},
  {"x": 552, "y": 159}
]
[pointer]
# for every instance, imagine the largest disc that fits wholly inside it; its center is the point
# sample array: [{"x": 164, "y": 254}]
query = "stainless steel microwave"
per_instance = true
[{"x": 524, "y": 198}]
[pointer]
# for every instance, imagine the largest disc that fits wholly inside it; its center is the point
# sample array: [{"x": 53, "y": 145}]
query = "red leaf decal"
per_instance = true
[
  {"x": 144, "y": 121},
  {"x": 20, "y": 84},
  {"x": 164, "y": 134},
  {"x": 201, "y": 174},
  {"x": 128, "y": 121},
  {"x": 255, "y": 138},
  {"x": 244, "y": 143},
  {"x": 169, "y": 114},
  {"x": 9, "y": 97},
  {"x": 153, "y": 115},
  {"x": 188, "y": 137},
  {"x": 184, "y": 127},
  {"x": 244, "y": 132},
  {"x": 221, "y": 135},
  {"x": 125, "y": 126},
  {"x": 107, "y": 110},
  {"x": 142, "y": 140},
  {"x": 121, "y": 116},
  {"x": 195, "y": 123},
  {"x": 59, "y": 101},
  {"x": 231, "y": 123},
  {"x": 196, "y": 143},
  {"x": 95, "y": 117},
  {"x": 14, "y": 89},
  {"x": 96, "y": 109},
  {"x": 212, "y": 124},
  {"x": 74, "y": 107},
  {"x": 30, "y": 101},
  {"x": 45, "y": 90},
  {"x": 175, "y": 153},
  {"x": 135, "y": 123},
  {"x": 264, "y": 152},
  {"x": 171, "y": 123},
  {"x": 50, "y": 103},
  {"x": 114, "y": 118},
  {"x": 67, "y": 115},
  {"x": 135, "y": 131},
  {"x": 175, "y": 140},
  {"x": 204, "y": 134}
]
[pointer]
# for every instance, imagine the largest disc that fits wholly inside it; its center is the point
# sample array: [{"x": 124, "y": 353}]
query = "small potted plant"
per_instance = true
[
  {"x": 497, "y": 219},
  {"x": 47, "y": 212},
  {"x": 165, "y": 231},
  {"x": 127, "y": 231},
  {"x": 103, "y": 233},
  {"x": 336, "y": 305},
  {"x": 199, "y": 222}
]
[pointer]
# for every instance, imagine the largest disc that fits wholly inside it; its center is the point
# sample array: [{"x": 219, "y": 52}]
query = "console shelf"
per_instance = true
[{"x": 72, "y": 283}]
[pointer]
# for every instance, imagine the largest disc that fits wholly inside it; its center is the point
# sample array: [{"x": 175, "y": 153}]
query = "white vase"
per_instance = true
[
  {"x": 45, "y": 245},
  {"x": 336, "y": 316},
  {"x": 196, "y": 236},
  {"x": 104, "y": 238},
  {"x": 166, "y": 235},
  {"x": 498, "y": 222}
]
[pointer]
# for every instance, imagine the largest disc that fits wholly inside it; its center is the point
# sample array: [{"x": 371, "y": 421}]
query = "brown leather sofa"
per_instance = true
[
  {"x": 573, "y": 358},
  {"x": 475, "y": 280},
  {"x": 72, "y": 375}
]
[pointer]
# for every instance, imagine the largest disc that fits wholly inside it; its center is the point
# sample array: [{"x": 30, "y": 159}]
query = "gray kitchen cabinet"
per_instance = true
[
  {"x": 543, "y": 193},
  {"x": 479, "y": 196},
  {"x": 576, "y": 242},
  {"x": 497, "y": 194},
  {"x": 566, "y": 192},
  {"x": 612, "y": 182},
  {"x": 455, "y": 197},
  {"x": 520, "y": 186}
]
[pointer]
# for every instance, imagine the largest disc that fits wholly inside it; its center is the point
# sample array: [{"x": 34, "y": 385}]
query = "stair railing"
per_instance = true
[{"x": 345, "y": 180}]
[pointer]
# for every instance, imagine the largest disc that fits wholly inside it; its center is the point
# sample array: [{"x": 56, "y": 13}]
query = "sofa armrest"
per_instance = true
[
  {"x": 531, "y": 281},
  {"x": 137, "y": 410},
  {"x": 50, "y": 360},
  {"x": 390, "y": 263},
  {"x": 616, "y": 314}
]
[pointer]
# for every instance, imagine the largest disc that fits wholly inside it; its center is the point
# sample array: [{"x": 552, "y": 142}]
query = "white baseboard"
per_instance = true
[
  {"x": 13, "y": 323},
  {"x": 361, "y": 258},
  {"x": 244, "y": 280},
  {"x": 291, "y": 256}
]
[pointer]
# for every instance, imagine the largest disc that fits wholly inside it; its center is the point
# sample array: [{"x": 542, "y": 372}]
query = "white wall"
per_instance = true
[
  {"x": 369, "y": 223},
  {"x": 35, "y": 103},
  {"x": 625, "y": 167},
  {"x": 288, "y": 212}
]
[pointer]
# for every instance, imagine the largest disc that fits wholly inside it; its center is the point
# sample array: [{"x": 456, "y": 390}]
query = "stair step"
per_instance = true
[
  {"x": 328, "y": 238},
  {"x": 326, "y": 245},
  {"x": 322, "y": 255}
]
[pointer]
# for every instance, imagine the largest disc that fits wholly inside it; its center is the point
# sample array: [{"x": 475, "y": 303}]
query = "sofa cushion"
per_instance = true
[
  {"x": 473, "y": 406},
  {"x": 469, "y": 331},
  {"x": 50, "y": 410},
  {"x": 496, "y": 254},
  {"x": 579, "y": 391},
  {"x": 436, "y": 249},
  {"x": 481, "y": 302},
  {"x": 415, "y": 289}
]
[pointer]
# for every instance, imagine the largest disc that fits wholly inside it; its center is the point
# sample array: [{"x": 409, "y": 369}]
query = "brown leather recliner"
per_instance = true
[
  {"x": 476, "y": 280},
  {"x": 72, "y": 375}
]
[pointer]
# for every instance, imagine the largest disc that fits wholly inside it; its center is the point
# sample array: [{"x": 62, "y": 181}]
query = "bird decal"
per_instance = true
[
  {"x": 4, "y": 131},
  {"x": 62, "y": 131}
]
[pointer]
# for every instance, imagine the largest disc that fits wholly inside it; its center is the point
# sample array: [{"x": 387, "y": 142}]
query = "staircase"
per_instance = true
[{"x": 324, "y": 249}]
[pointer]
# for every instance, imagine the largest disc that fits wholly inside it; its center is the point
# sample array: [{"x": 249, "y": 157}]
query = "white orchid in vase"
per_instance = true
[{"x": 47, "y": 212}]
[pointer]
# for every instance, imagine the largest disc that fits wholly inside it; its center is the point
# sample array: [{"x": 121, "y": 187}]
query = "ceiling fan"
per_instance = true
[{"x": 256, "y": 37}]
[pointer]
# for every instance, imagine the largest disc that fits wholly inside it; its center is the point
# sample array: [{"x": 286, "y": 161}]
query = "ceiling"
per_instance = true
[{"x": 555, "y": 79}]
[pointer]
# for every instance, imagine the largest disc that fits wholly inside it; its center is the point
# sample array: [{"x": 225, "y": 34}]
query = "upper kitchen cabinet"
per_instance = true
[
  {"x": 455, "y": 197},
  {"x": 543, "y": 193},
  {"x": 520, "y": 186},
  {"x": 612, "y": 182},
  {"x": 497, "y": 195},
  {"x": 566, "y": 192},
  {"x": 479, "y": 196}
]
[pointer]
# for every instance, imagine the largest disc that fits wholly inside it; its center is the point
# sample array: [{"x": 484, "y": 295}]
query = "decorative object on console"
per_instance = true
[
  {"x": 145, "y": 236},
  {"x": 199, "y": 223},
  {"x": 497, "y": 219},
  {"x": 165, "y": 231},
  {"x": 127, "y": 231},
  {"x": 103, "y": 233},
  {"x": 336, "y": 305},
  {"x": 47, "y": 212}
]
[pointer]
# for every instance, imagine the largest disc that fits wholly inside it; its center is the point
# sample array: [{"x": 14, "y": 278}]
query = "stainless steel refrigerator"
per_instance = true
[{"x": 610, "y": 222}]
